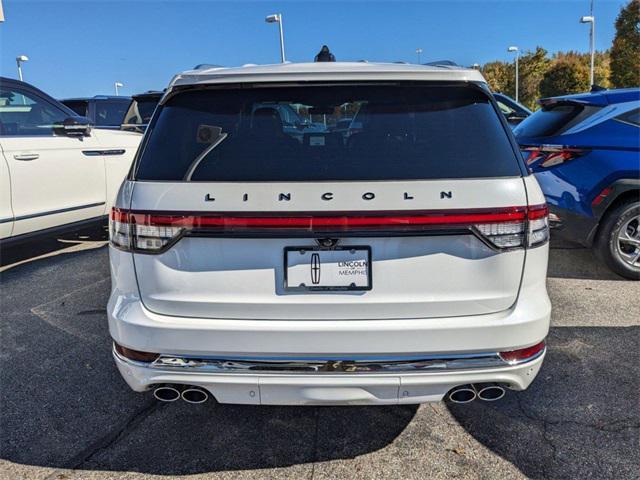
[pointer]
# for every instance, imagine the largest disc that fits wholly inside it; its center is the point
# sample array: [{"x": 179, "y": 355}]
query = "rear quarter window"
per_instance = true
[{"x": 405, "y": 132}]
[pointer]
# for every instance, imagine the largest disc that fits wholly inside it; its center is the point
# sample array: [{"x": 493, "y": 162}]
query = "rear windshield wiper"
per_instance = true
[{"x": 206, "y": 134}]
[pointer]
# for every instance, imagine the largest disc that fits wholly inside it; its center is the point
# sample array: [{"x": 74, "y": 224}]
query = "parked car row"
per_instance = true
[{"x": 299, "y": 243}]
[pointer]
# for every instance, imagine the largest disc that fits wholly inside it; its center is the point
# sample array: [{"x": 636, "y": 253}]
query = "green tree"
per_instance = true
[
  {"x": 499, "y": 76},
  {"x": 625, "y": 52},
  {"x": 602, "y": 62},
  {"x": 533, "y": 67},
  {"x": 566, "y": 75}
]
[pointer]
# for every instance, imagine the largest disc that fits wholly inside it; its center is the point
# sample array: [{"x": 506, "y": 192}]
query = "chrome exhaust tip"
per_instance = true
[
  {"x": 195, "y": 395},
  {"x": 463, "y": 394},
  {"x": 490, "y": 392},
  {"x": 166, "y": 393}
]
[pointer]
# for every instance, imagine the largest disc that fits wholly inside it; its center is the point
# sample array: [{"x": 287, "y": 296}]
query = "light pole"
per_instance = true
[
  {"x": 20, "y": 59},
  {"x": 517, "y": 52},
  {"x": 419, "y": 52},
  {"x": 116, "y": 85},
  {"x": 592, "y": 34},
  {"x": 277, "y": 18}
]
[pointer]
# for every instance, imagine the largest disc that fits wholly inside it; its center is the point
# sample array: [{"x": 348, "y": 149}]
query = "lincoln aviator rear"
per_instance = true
[{"x": 261, "y": 256}]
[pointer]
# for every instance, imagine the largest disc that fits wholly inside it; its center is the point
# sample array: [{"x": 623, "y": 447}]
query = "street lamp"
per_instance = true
[
  {"x": 116, "y": 85},
  {"x": 517, "y": 52},
  {"x": 20, "y": 59},
  {"x": 277, "y": 18},
  {"x": 419, "y": 52},
  {"x": 592, "y": 34}
]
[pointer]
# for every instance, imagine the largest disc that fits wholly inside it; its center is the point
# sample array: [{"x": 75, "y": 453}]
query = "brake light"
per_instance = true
[
  {"x": 152, "y": 232},
  {"x": 550, "y": 155},
  {"x": 523, "y": 354}
]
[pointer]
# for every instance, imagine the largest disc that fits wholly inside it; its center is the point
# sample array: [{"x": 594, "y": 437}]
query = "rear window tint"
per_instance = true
[
  {"x": 110, "y": 113},
  {"x": 553, "y": 120},
  {"x": 296, "y": 133}
]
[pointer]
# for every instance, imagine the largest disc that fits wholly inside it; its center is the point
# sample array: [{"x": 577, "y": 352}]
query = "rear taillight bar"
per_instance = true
[
  {"x": 151, "y": 231},
  {"x": 550, "y": 155}
]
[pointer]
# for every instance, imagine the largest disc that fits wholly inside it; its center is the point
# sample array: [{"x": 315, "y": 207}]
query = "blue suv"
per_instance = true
[{"x": 585, "y": 152}]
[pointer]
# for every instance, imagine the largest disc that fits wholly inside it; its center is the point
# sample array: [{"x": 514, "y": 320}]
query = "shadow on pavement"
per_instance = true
[
  {"x": 64, "y": 405},
  {"x": 579, "y": 419},
  {"x": 570, "y": 260},
  {"x": 32, "y": 250}
]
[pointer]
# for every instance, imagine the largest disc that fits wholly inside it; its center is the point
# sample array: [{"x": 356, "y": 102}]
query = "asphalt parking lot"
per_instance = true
[{"x": 65, "y": 413}]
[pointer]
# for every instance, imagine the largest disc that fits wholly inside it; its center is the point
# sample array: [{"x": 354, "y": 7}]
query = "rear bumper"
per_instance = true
[{"x": 327, "y": 389}]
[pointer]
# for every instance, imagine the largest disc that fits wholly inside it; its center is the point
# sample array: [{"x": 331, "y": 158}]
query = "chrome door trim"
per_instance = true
[
  {"x": 98, "y": 153},
  {"x": 53, "y": 212}
]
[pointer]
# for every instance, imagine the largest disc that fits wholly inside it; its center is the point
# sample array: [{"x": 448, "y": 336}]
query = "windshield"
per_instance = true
[{"x": 296, "y": 133}]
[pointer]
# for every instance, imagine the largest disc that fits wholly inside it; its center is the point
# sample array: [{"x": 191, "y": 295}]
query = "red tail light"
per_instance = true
[
  {"x": 151, "y": 232},
  {"x": 523, "y": 354},
  {"x": 601, "y": 196},
  {"x": 549, "y": 155}
]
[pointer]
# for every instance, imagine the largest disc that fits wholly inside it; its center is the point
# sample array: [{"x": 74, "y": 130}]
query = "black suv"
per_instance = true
[{"x": 104, "y": 111}]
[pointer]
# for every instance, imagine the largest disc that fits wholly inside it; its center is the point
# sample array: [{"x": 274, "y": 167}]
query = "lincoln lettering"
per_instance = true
[
  {"x": 328, "y": 196},
  {"x": 353, "y": 264}
]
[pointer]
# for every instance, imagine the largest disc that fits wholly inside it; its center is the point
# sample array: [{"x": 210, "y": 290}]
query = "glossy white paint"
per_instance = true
[
  {"x": 131, "y": 324},
  {"x": 51, "y": 173},
  {"x": 318, "y": 71}
]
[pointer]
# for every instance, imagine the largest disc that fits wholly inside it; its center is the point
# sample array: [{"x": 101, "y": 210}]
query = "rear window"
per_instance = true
[
  {"x": 109, "y": 113},
  {"x": 405, "y": 132},
  {"x": 553, "y": 120},
  {"x": 140, "y": 111}
]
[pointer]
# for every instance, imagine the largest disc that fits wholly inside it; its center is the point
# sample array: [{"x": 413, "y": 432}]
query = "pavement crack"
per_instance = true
[
  {"x": 39, "y": 308},
  {"x": 111, "y": 438}
]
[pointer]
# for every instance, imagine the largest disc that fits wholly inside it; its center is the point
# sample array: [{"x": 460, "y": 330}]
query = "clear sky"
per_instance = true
[{"x": 79, "y": 48}]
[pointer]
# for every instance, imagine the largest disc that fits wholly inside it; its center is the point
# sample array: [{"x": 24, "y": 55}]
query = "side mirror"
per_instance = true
[{"x": 73, "y": 127}]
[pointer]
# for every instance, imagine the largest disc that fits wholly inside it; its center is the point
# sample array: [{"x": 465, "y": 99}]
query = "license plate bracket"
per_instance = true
[{"x": 317, "y": 269}]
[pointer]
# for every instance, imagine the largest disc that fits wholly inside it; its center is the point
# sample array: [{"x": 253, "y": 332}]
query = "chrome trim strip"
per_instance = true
[
  {"x": 53, "y": 212},
  {"x": 335, "y": 365},
  {"x": 96, "y": 153}
]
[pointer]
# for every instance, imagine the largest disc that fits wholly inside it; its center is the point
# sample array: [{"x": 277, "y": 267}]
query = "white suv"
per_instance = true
[
  {"x": 404, "y": 263},
  {"x": 56, "y": 172}
]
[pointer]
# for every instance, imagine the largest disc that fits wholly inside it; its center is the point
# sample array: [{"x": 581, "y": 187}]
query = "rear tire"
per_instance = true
[{"x": 618, "y": 241}]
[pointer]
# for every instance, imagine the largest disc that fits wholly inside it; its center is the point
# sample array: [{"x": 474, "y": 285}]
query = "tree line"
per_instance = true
[{"x": 563, "y": 73}]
